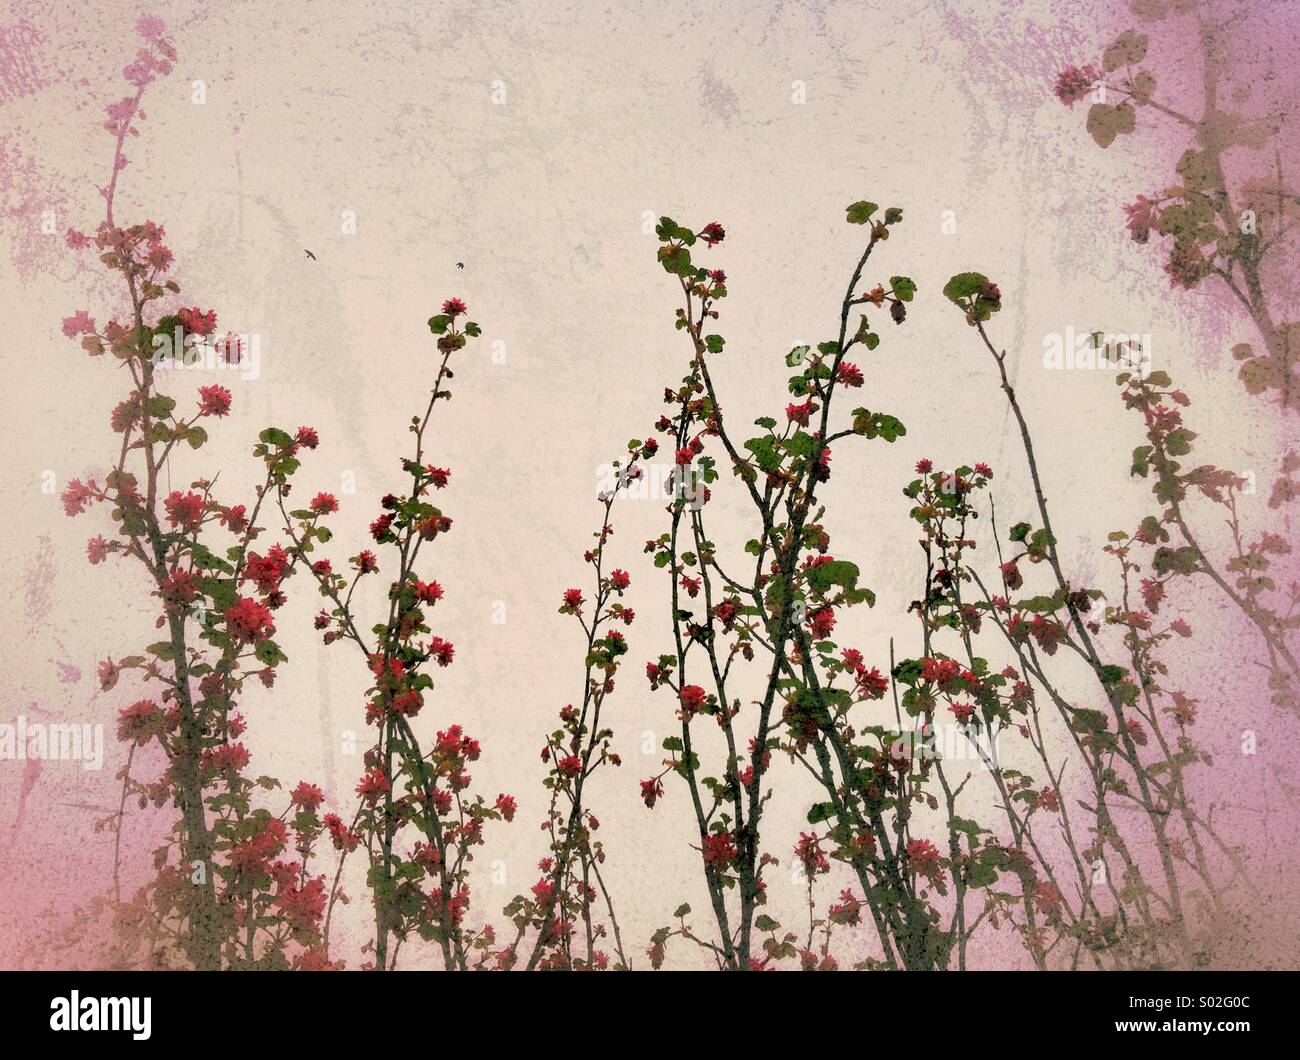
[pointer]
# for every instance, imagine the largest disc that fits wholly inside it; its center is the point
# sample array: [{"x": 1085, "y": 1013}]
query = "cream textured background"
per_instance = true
[{"x": 613, "y": 113}]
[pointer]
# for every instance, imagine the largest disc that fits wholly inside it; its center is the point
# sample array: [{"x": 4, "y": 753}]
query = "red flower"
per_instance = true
[
  {"x": 1073, "y": 83},
  {"x": 923, "y": 467},
  {"x": 97, "y": 549},
  {"x": 266, "y": 571},
  {"x": 713, "y": 233},
  {"x": 691, "y": 586},
  {"x": 569, "y": 765},
  {"x": 373, "y": 785},
  {"x": 1143, "y": 215},
  {"x": 77, "y": 497},
  {"x": 80, "y": 323},
  {"x": 847, "y": 911},
  {"x": 249, "y": 621},
  {"x": 940, "y": 670},
  {"x": 214, "y": 401},
  {"x": 1011, "y": 575},
  {"x": 1184, "y": 709},
  {"x": 1047, "y": 898},
  {"x": 324, "y": 504},
  {"x": 232, "y": 756},
  {"x": 197, "y": 321},
  {"x": 872, "y": 683},
  {"x": 184, "y": 511},
  {"x": 302, "y": 906},
  {"x": 692, "y": 698},
  {"x": 1047, "y": 632},
  {"x": 984, "y": 469},
  {"x": 141, "y": 722},
  {"x": 442, "y": 650},
  {"x": 107, "y": 672},
  {"x": 366, "y": 562},
  {"x": 233, "y": 519},
  {"x": 307, "y": 437},
  {"x": 652, "y": 791},
  {"x": 178, "y": 588},
  {"x": 506, "y": 806},
  {"x": 1153, "y": 592},
  {"x": 437, "y": 475},
  {"x": 822, "y": 621},
  {"x": 453, "y": 307},
  {"x": 799, "y": 413},
  {"x": 344, "y": 838},
  {"x": 307, "y": 796},
  {"x": 620, "y": 579},
  {"x": 719, "y": 850},
  {"x": 428, "y": 592},
  {"x": 808, "y": 850},
  {"x": 923, "y": 858},
  {"x": 849, "y": 374},
  {"x": 963, "y": 712},
  {"x": 573, "y": 602}
]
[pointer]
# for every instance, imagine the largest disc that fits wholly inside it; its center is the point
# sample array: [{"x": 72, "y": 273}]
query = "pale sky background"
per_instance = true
[{"x": 611, "y": 114}]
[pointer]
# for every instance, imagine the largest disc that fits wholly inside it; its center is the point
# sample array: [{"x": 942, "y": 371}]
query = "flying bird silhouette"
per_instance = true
[
  {"x": 310, "y": 254},
  {"x": 460, "y": 264}
]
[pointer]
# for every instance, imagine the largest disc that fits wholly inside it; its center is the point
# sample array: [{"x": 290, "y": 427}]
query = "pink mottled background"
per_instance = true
[{"x": 612, "y": 114}]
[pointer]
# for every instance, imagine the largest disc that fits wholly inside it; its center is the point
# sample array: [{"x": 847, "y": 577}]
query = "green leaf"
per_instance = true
[
  {"x": 1111, "y": 675},
  {"x": 860, "y": 212},
  {"x": 963, "y": 286},
  {"x": 1129, "y": 49},
  {"x": 1179, "y": 442},
  {"x": 1107, "y": 121},
  {"x": 268, "y": 653},
  {"x": 160, "y": 406},
  {"x": 765, "y": 452},
  {"x": 837, "y": 572},
  {"x": 1186, "y": 560},
  {"x": 275, "y": 436},
  {"x": 903, "y": 287}
]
